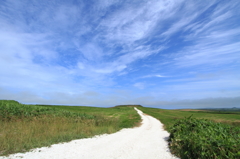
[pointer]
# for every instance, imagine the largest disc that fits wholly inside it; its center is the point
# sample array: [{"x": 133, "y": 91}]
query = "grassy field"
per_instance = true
[
  {"x": 169, "y": 117},
  {"x": 193, "y": 133},
  {"x": 201, "y": 134},
  {"x": 24, "y": 127}
]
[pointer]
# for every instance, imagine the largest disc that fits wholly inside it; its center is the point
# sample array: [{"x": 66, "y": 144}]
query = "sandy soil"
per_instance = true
[{"x": 145, "y": 142}]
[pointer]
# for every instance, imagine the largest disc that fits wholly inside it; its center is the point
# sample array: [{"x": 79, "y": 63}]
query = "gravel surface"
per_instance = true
[{"x": 145, "y": 142}]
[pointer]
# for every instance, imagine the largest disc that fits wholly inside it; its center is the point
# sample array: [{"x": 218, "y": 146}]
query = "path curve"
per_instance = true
[{"x": 146, "y": 141}]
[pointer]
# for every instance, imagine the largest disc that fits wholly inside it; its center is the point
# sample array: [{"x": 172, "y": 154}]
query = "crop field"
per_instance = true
[
  {"x": 24, "y": 127},
  {"x": 201, "y": 134}
]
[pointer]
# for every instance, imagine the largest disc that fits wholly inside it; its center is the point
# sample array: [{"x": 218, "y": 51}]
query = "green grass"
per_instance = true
[
  {"x": 201, "y": 134},
  {"x": 169, "y": 117},
  {"x": 126, "y": 116},
  {"x": 24, "y": 127},
  {"x": 192, "y": 138},
  {"x": 207, "y": 134}
]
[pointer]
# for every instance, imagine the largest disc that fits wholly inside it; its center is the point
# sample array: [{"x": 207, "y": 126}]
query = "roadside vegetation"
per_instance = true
[
  {"x": 24, "y": 127},
  {"x": 201, "y": 134},
  {"x": 194, "y": 134},
  {"x": 169, "y": 117},
  {"x": 203, "y": 139}
]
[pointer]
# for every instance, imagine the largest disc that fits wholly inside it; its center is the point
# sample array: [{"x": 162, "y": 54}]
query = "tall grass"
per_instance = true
[{"x": 24, "y": 127}]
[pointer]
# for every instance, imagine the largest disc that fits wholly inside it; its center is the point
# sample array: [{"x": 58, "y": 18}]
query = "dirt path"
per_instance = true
[{"x": 146, "y": 141}]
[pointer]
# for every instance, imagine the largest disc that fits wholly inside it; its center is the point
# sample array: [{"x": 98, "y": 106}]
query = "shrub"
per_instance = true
[{"x": 204, "y": 139}]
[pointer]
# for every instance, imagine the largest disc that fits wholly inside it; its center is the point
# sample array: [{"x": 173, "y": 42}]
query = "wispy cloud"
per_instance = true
[
  {"x": 150, "y": 76},
  {"x": 139, "y": 85},
  {"x": 88, "y": 49}
]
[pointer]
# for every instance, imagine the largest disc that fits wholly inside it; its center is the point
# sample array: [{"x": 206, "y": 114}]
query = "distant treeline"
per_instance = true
[
  {"x": 128, "y": 106},
  {"x": 233, "y": 110}
]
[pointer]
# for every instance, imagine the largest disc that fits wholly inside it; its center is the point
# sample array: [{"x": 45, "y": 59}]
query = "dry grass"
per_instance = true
[
  {"x": 22, "y": 135},
  {"x": 24, "y": 127}
]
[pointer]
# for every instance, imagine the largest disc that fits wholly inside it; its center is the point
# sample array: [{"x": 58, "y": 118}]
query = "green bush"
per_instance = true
[{"x": 204, "y": 139}]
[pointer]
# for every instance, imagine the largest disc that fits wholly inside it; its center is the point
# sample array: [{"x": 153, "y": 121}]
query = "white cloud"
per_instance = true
[
  {"x": 106, "y": 3},
  {"x": 156, "y": 75},
  {"x": 111, "y": 68},
  {"x": 139, "y": 85},
  {"x": 209, "y": 53},
  {"x": 211, "y": 25},
  {"x": 82, "y": 53},
  {"x": 135, "y": 22},
  {"x": 80, "y": 65},
  {"x": 91, "y": 93},
  {"x": 91, "y": 52},
  {"x": 160, "y": 76},
  {"x": 197, "y": 88}
]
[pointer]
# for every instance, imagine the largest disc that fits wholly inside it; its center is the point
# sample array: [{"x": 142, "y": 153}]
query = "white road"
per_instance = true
[{"x": 145, "y": 142}]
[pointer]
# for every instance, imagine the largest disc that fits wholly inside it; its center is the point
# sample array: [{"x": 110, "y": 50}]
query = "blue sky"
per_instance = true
[{"x": 158, "y": 53}]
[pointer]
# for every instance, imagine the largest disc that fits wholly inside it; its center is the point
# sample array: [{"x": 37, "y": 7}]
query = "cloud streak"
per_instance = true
[{"x": 63, "y": 51}]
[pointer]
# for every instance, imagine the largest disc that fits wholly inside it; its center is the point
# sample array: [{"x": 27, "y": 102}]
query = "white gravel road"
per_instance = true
[{"x": 145, "y": 142}]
